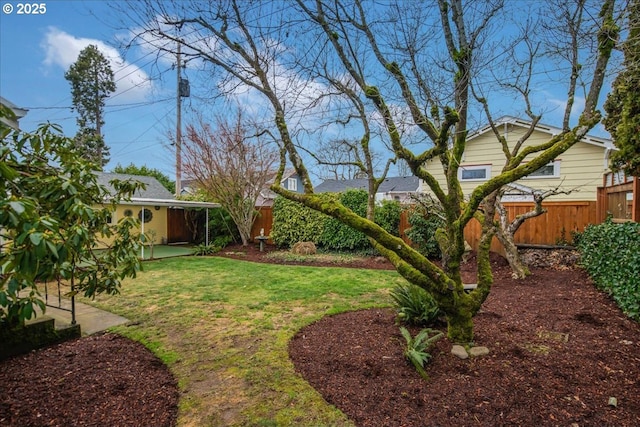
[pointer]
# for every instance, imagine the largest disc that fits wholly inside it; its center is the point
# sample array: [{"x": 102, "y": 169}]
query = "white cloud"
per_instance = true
[
  {"x": 62, "y": 50},
  {"x": 553, "y": 108}
]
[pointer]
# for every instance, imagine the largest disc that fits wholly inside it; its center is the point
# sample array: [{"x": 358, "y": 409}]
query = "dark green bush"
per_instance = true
[
  {"x": 203, "y": 249},
  {"x": 293, "y": 222},
  {"x": 220, "y": 224},
  {"x": 388, "y": 216},
  {"x": 222, "y": 241},
  {"x": 414, "y": 305},
  {"x": 424, "y": 223},
  {"x": 340, "y": 237},
  {"x": 222, "y": 229},
  {"x": 611, "y": 255}
]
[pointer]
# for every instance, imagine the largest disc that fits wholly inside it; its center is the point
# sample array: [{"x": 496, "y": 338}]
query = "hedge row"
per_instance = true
[
  {"x": 293, "y": 222},
  {"x": 611, "y": 255}
]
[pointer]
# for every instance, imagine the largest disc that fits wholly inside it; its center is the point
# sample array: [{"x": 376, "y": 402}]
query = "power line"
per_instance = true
[{"x": 126, "y": 105}]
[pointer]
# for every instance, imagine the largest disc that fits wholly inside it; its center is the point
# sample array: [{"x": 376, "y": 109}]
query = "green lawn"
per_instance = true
[{"x": 222, "y": 326}]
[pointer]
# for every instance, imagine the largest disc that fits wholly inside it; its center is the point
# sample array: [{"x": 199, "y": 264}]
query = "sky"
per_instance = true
[{"x": 35, "y": 52}]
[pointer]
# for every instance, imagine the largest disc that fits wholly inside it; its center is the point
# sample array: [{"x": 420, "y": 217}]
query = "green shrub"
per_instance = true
[
  {"x": 222, "y": 227},
  {"x": 340, "y": 237},
  {"x": 424, "y": 223},
  {"x": 414, "y": 305},
  {"x": 388, "y": 216},
  {"x": 222, "y": 241},
  {"x": 611, "y": 255},
  {"x": 206, "y": 249},
  {"x": 293, "y": 222},
  {"x": 416, "y": 349}
]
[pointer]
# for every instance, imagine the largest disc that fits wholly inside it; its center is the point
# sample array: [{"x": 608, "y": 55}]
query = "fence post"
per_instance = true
[{"x": 635, "y": 203}]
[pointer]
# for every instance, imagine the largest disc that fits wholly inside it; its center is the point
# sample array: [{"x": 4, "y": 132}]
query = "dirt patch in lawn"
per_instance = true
[{"x": 559, "y": 351}]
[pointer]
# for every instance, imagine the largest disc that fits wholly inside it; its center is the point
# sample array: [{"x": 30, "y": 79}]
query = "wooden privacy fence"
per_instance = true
[
  {"x": 264, "y": 221},
  {"x": 619, "y": 197},
  {"x": 553, "y": 227}
]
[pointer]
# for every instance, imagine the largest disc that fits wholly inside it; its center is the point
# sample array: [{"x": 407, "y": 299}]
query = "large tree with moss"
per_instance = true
[
  {"x": 623, "y": 103},
  {"x": 400, "y": 75}
]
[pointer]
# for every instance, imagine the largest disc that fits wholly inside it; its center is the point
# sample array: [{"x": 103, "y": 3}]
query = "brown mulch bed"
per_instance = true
[
  {"x": 100, "y": 380},
  {"x": 559, "y": 350}
]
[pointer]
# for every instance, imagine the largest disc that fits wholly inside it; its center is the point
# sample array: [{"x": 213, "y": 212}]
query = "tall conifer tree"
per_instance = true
[{"x": 91, "y": 80}]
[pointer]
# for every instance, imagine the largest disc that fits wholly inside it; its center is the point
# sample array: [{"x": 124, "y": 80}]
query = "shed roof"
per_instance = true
[
  {"x": 153, "y": 190},
  {"x": 154, "y": 193}
]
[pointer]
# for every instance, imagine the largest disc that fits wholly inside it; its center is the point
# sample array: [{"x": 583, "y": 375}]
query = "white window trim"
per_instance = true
[
  {"x": 487, "y": 168},
  {"x": 292, "y": 184},
  {"x": 556, "y": 172}
]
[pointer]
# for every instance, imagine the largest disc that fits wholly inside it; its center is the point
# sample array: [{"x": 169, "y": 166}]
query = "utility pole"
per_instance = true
[{"x": 178, "y": 130}]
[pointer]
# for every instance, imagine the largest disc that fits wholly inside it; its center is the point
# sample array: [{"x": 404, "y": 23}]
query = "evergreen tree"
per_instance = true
[
  {"x": 91, "y": 80},
  {"x": 623, "y": 103}
]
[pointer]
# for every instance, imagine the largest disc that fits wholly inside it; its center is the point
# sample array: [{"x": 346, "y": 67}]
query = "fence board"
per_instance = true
[{"x": 264, "y": 221}]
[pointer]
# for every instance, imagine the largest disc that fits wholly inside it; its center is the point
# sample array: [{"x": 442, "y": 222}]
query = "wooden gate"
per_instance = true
[{"x": 619, "y": 197}]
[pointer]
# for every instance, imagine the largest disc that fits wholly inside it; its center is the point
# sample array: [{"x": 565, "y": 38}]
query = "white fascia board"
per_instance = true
[
  {"x": 169, "y": 202},
  {"x": 551, "y": 130}
]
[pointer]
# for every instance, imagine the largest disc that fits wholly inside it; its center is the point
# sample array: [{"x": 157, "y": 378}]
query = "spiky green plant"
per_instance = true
[
  {"x": 414, "y": 305},
  {"x": 203, "y": 249},
  {"x": 416, "y": 349}
]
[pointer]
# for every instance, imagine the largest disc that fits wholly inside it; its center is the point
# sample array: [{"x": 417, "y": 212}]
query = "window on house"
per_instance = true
[
  {"x": 292, "y": 184},
  {"x": 550, "y": 170},
  {"x": 474, "y": 173},
  {"x": 110, "y": 217}
]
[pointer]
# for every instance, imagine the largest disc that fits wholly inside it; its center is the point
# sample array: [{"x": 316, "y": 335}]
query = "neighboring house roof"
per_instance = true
[
  {"x": 398, "y": 184},
  {"x": 551, "y": 130},
  {"x": 19, "y": 112},
  {"x": 188, "y": 186}
]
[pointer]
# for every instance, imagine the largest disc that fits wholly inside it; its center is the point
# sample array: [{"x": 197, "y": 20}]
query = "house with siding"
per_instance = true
[
  {"x": 19, "y": 113},
  {"x": 290, "y": 181},
  {"x": 578, "y": 171}
]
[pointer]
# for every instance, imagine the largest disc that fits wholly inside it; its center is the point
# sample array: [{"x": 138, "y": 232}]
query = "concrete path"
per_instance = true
[{"x": 91, "y": 319}]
